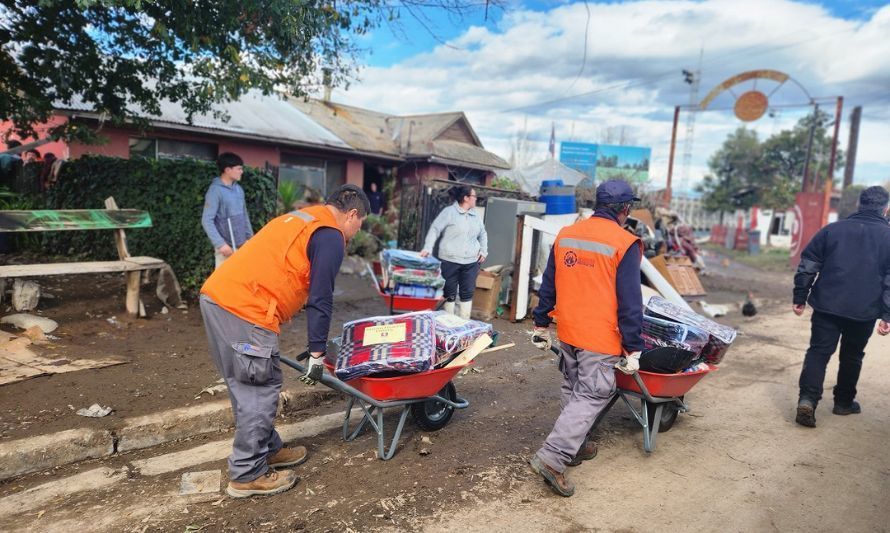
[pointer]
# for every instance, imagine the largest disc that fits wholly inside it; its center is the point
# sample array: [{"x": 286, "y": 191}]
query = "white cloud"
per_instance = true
[{"x": 640, "y": 47}]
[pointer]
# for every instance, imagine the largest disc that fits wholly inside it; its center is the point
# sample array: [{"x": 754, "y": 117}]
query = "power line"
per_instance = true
[{"x": 672, "y": 72}]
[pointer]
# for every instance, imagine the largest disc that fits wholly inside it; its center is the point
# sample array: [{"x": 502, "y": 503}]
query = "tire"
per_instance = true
[
  {"x": 668, "y": 415},
  {"x": 433, "y": 415}
]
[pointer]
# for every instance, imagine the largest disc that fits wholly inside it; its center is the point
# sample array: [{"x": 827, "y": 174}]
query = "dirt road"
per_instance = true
[{"x": 736, "y": 462}]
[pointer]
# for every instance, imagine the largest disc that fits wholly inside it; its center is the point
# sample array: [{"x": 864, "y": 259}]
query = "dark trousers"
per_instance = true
[
  {"x": 826, "y": 330},
  {"x": 458, "y": 275}
]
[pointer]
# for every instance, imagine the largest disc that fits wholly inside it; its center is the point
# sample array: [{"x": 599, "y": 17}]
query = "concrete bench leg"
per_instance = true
[{"x": 133, "y": 279}]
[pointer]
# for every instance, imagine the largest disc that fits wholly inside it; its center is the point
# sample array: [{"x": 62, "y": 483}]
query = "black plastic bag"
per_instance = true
[{"x": 666, "y": 360}]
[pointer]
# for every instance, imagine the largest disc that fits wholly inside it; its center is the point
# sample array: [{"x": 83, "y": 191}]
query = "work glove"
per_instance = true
[
  {"x": 314, "y": 370},
  {"x": 629, "y": 364},
  {"x": 541, "y": 338}
]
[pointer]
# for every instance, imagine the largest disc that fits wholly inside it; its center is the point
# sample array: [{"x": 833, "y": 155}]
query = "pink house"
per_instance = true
[{"x": 320, "y": 144}]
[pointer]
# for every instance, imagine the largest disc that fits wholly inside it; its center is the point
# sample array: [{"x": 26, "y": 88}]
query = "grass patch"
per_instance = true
[{"x": 769, "y": 259}]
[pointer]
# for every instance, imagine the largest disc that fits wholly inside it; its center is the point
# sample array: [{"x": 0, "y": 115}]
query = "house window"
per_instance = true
[
  {"x": 319, "y": 175},
  {"x": 172, "y": 149}
]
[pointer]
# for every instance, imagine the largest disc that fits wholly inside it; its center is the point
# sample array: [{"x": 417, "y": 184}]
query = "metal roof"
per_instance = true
[{"x": 254, "y": 115}]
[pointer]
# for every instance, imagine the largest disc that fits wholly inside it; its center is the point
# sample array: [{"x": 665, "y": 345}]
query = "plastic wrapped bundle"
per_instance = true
[
  {"x": 720, "y": 337},
  {"x": 408, "y": 259},
  {"x": 658, "y": 332},
  {"x": 454, "y": 334},
  {"x": 402, "y": 343},
  {"x": 414, "y": 276}
]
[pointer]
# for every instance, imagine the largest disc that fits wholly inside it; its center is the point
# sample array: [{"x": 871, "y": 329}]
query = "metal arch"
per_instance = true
[{"x": 774, "y": 75}]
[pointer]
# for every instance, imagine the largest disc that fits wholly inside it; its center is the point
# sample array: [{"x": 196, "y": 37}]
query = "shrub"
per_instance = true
[{"x": 171, "y": 191}]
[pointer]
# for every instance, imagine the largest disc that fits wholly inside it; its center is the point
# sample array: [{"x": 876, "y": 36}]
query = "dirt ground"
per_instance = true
[{"x": 736, "y": 462}]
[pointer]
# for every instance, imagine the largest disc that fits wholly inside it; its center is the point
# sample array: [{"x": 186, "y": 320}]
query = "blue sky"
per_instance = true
[{"x": 526, "y": 68}]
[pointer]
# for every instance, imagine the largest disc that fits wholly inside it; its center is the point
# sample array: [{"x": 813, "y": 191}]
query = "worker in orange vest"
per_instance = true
[
  {"x": 291, "y": 263},
  {"x": 591, "y": 286}
]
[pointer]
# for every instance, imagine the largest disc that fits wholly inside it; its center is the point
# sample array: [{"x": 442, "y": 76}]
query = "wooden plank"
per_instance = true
[
  {"x": 73, "y": 219},
  {"x": 88, "y": 267},
  {"x": 470, "y": 353}
]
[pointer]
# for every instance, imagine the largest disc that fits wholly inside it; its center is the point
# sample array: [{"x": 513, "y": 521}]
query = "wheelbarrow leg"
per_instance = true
[
  {"x": 381, "y": 450},
  {"x": 647, "y": 434}
]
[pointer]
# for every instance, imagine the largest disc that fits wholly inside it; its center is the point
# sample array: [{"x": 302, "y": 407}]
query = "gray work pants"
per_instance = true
[
  {"x": 247, "y": 358},
  {"x": 588, "y": 385}
]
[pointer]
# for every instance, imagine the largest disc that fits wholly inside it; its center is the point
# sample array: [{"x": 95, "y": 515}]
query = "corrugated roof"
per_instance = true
[
  {"x": 254, "y": 115},
  {"x": 456, "y": 152}
]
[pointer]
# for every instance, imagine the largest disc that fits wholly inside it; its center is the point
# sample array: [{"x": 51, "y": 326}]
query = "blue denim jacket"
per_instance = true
[{"x": 225, "y": 218}]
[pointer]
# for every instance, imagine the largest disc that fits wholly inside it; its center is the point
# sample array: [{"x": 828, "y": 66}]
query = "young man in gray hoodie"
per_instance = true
[{"x": 225, "y": 219}]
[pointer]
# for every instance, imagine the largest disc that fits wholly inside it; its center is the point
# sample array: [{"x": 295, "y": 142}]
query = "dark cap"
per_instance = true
[{"x": 615, "y": 192}]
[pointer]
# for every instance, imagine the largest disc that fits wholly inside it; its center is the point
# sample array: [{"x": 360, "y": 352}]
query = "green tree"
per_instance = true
[
  {"x": 784, "y": 154},
  {"x": 122, "y": 58},
  {"x": 734, "y": 173},
  {"x": 745, "y": 172}
]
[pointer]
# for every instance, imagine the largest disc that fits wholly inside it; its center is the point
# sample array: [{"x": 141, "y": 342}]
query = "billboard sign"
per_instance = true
[{"x": 605, "y": 161}]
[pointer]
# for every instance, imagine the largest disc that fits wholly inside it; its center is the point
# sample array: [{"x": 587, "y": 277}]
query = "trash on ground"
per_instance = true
[{"x": 95, "y": 411}]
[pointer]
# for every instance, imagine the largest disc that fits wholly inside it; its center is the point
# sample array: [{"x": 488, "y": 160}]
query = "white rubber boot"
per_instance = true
[
  {"x": 448, "y": 307},
  {"x": 464, "y": 308}
]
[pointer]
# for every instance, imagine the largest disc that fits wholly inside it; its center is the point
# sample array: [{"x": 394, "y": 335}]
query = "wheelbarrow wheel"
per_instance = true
[
  {"x": 433, "y": 415},
  {"x": 668, "y": 415}
]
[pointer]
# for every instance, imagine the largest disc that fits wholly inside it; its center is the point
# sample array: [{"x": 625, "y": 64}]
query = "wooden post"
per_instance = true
[
  {"x": 133, "y": 278},
  {"x": 120, "y": 238},
  {"x": 667, "y": 190},
  {"x": 514, "y": 285}
]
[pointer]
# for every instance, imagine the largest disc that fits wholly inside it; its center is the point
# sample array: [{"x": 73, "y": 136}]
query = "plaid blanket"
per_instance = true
[
  {"x": 720, "y": 337},
  {"x": 402, "y": 343},
  {"x": 658, "y": 333},
  {"x": 454, "y": 334}
]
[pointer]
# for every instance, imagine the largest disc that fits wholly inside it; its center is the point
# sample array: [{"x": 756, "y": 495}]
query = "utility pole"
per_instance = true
[
  {"x": 694, "y": 80},
  {"x": 852, "y": 145},
  {"x": 806, "y": 161}
]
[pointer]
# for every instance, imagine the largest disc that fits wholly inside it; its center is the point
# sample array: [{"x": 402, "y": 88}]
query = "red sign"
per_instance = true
[{"x": 807, "y": 221}]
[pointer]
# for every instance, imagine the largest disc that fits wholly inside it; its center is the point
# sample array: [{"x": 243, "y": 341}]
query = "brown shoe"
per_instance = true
[
  {"x": 587, "y": 452},
  {"x": 557, "y": 481},
  {"x": 271, "y": 482},
  {"x": 288, "y": 457}
]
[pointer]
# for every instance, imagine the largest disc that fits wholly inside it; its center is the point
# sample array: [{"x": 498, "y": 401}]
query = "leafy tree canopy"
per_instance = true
[{"x": 123, "y": 57}]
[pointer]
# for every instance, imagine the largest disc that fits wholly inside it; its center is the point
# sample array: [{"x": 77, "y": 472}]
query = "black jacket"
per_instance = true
[{"x": 849, "y": 260}]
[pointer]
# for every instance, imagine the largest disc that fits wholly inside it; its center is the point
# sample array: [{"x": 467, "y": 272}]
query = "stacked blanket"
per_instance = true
[
  {"x": 402, "y": 343},
  {"x": 406, "y": 273},
  {"x": 664, "y": 333},
  {"x": 720, "y": 337},
  {"x": 455, "y": 334}
]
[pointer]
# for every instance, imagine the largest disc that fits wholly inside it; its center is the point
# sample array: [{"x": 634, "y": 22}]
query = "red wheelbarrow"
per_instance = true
[
  {"x": 429, "y": 396},
  {"x": 661, "y": 399},
  {"x": 400, "y": 303}
]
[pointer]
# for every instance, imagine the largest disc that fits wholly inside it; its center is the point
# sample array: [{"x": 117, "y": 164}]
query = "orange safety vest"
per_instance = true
[
  {"x": 586, "y": 255},
  {"x": 266, "y": 281}
]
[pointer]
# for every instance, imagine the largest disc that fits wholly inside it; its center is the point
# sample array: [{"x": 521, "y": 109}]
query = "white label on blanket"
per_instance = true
[
  {"x": 451, "y": 321},
  {"x": 385, "y": 334}
]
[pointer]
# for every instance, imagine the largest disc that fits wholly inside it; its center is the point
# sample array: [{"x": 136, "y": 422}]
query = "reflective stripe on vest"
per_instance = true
[
  {"x": 586, "y": 257},
  {"x": 266, "y": 281}
]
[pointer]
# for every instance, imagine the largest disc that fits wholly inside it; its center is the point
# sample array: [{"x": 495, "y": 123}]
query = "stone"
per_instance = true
[
  {"x": 26, "y": 321},
  {"x": 25, "y": 295}
]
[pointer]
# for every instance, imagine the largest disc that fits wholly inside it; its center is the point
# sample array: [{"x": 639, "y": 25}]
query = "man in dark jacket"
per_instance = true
[{"x": 844, "y": 274}]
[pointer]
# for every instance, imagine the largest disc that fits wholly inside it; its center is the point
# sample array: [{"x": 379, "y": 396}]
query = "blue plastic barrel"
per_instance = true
[
  {"x": 546, "y": 184},
  {"x": 558, "y": 200}
]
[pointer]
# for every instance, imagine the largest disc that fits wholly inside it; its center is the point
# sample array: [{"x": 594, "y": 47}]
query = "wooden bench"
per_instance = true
[{"x": 110, "y": 218}]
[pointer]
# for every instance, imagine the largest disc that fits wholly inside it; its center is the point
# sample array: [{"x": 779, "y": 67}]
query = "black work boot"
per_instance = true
[
  {"x": 806, "y": 413},
  {"x": 852, "y": 409}
]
